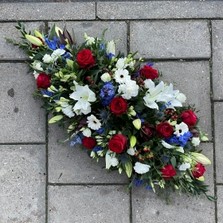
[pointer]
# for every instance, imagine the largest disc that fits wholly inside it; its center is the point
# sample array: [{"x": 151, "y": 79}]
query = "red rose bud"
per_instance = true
[
  {"x": 89, "y": 142},
  {"x": 164, "y": 129},
  {"x": 85, "y": 59},
  {"x": 189, "y": 117},
  {"x": 117, "y": 143},
  {"x": 148, "y": 72},
  {"x": 43, "y": 81},
  {"x": 198, "y": 170},
  {"x": 118, "y": 106},
  {"x": 168, "y": 172}
]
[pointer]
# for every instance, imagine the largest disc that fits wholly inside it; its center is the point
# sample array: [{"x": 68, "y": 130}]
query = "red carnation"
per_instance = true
[
  {"x": 189, "y": 117},
  {"x": 43, "y": 80},
  {"x": 164, "y": 129},
  {"x": 148, "y": 72},
  {"x": 168, "y": 172},
  {"x": 117, "y": 143},
  {"x": 89, "y": 142},
  {"x": 85, "y": 59},
  {"x": 118, "y": 106},
  {"x": 198, "y": 170}
]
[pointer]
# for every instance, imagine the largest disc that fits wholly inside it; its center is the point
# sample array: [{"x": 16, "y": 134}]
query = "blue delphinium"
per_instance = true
[
  {"x": 46, "y": 93},
  {"x": 76, "y": 140},
  {"x": 138, "y": 182},
  {"x": 107, "y": 93},
  {"x": 181, "y": 140},
  {"x": 97, "y": 148}
]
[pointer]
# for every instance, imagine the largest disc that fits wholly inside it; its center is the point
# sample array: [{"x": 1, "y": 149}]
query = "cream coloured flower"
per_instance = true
[{"x": 141, "y": 168}]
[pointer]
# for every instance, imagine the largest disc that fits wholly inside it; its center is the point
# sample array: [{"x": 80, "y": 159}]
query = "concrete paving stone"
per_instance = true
[
  {"x": 73, "y": 164},
  {"x": 96, "y": 204},
  {"x": 170, "y": 39},
  {"x": 218, "y": 109},
  {"x": 192, "y": 79},
  {"x": 21, "y": 117},
  {"x": 217, "y": 41},
  {"x": 220, "y": 203},
  {"x": 22, "y": 183},
  {"x": 116, "y": 31},
  {"x": 47, "y": 11},
  {"x": 159, "y": 9},
  {"x": 8, "y": 30},
  {"x": 148, "y": 207}
]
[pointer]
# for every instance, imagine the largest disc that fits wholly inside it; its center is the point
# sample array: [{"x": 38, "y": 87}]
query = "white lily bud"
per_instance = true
[{"x": 200, "y": 158}]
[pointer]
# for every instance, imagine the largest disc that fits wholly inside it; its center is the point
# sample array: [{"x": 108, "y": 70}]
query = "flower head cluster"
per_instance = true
[{"x": 119, "y": 110}]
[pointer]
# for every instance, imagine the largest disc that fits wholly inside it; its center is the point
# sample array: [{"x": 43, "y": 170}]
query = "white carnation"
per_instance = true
[{"x": 141, "y": 168}]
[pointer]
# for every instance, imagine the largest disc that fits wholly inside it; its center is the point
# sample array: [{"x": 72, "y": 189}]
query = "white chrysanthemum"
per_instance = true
[
  {"x": 110, "y": 160},
  {"x": 121, "y": 63},
  {"x": 141, "y": 168},
  {"x": 181, "y": 129},
  {"x": 93, "y": 122},
  {"x": 83, "y": 95},
  {"x": 47, "y": 58},
  {"x": 129, "y": 89},
  {"x": 86, "y": 132},
  {"x": 36, "y": 65},
  {"x": 184, "y": 166},
  {"x": 105, "y": 77},
  {"x": 121, "y": 76},
  {"x": 196, "y": 141}
]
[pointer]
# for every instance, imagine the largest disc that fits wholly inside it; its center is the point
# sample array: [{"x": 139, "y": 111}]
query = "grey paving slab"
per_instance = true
[
  {"x": 218, "y": 108},
  {"x": 96, "y": 204},
  {"x": 217, "y": 41},
  {"x": 192, "y": 79},
  {"x": 159, "y": 9},
  {"x": 148, "y": 207},
  {"x": 47, "y": 11},
  {"x": 73, "y": 165},
  {"x": 170, "y": 39},
  {"x": 8, "y": 30},
  {"x": 21, "y": 118},
  {"x": 116, "y": 31},
  {"x": 22, "y": 183},
  {"x": 220, "y": 203}
]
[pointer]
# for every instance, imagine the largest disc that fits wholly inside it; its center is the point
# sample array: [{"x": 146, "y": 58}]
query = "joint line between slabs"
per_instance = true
[{"x": 213, "y": 119}]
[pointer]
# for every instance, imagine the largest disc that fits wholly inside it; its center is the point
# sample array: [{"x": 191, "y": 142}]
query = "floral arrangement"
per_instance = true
[{"x": 118, "y": 109}]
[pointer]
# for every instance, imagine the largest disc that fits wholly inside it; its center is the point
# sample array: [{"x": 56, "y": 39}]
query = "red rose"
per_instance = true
[
  {"x": 148, "y": 72},
  {"x": 164, "y": 129},
  {"x": 147, "y": 131},
  {"x": 89, "y": 142},
  {"x": 118, "y": 106},
  {"x": 189, "y": 118},
  {"x": 168, "y": 172},
  {"x": 85, "y": 59},
  {"x": 117, "y": 143},
  {"x": 43, "y": 81},
  {"x": 198, "y": 170}
]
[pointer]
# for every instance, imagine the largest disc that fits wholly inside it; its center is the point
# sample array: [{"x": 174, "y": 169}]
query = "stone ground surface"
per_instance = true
[{"x": 43, "y": 181}]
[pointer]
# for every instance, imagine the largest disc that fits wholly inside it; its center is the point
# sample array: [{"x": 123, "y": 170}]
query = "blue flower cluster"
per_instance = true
[
  {"x": 181, "y": 140},
  {"x": 107, "y": 93},
  {"x": 54, "y": 43}
]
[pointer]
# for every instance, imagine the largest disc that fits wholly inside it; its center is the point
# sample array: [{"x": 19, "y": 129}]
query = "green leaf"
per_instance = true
[
  {"x": 55, "y": 119},
  {"x": 173, "y": 161},
  {"x": 128, "y": 169}
]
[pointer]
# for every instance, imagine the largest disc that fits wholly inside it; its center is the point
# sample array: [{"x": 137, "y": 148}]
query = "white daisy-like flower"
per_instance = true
[
  {"x": 196, "y": 141},
  {"x": 83, "y": 95},
  {"x": 184, "y": 166},
  {"x": 141, "y": 168},
  {"x": 121, "y": 76},
  {"x": 93, "y": 122},
  {"x": 129, "y": 89},
  {"x": 181, "y": 129}
]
